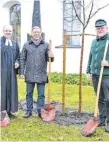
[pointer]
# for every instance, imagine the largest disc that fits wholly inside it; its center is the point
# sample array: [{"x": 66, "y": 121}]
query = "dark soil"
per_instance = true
[{"x": 70, "y": 117}]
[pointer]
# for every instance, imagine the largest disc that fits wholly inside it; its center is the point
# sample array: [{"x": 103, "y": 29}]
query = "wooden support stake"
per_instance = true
[{"x": 64, "y": 71}]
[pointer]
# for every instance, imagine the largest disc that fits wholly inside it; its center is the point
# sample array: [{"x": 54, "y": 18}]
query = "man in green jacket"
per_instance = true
[{"x": 93, "y": 71}]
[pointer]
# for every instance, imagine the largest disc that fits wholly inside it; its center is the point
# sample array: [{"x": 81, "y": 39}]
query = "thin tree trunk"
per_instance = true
[
  {"x": 64, "y": 71},
  {"x": 80, "y": 79}
]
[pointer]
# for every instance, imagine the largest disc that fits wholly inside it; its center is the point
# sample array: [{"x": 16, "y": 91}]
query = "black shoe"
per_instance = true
[
  {"x": 27, "y": 115},
  {"x": 11, "y": 115},
  {"x": 39, "y": 115},
  {"x": 101, "y": 122},
  {"x": 107, "y": 128}
]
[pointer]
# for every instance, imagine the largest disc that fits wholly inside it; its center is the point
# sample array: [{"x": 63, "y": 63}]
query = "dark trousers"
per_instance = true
[
  {"x": 29, "y": 96},
  {"x": 103, "y": 103}
]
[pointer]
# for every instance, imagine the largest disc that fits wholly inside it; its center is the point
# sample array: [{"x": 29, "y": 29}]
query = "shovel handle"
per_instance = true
[
  {"x": 100, "y": 79},
  {"x": 49, "y": 71}
]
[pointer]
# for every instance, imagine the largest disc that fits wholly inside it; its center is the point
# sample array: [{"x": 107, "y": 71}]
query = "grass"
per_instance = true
[{"x": 33, "y": 129}]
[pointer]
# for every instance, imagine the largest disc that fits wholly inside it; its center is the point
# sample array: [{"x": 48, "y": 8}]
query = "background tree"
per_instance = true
[{"x": 91, "y": 12}]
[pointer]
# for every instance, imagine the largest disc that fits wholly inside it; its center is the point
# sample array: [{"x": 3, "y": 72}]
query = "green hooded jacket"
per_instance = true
[{"x": 96, "y": 56}]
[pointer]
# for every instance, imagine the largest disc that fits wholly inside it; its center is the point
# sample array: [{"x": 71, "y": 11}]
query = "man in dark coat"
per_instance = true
[
  {"x": 33, "y": 64},
  {"x": 9, "y": 64}
]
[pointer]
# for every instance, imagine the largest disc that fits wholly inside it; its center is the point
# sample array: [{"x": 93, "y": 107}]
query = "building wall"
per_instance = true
[
  {"x": 52, "y": 26},
  {"x": 26, "y": 16}
]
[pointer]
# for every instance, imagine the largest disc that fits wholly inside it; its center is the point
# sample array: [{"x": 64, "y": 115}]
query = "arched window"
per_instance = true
[{"x": 15, "y": 21}]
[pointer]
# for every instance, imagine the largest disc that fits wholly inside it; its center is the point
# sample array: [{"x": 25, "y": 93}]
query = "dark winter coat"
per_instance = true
[{"x": 33, "y": 61}]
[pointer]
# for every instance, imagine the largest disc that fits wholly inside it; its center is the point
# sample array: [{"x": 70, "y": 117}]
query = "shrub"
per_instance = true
[{"x": 69, "y": 78}]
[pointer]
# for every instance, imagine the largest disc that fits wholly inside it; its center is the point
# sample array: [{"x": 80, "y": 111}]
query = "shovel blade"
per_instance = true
[
  {"x": 49, "y": 107},
  {"x": 48, "y": 113},
  {"x": 89, "y": 127}
]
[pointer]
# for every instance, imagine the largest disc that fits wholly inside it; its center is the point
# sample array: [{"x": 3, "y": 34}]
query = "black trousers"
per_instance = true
[{"x": 103, "y": 103}]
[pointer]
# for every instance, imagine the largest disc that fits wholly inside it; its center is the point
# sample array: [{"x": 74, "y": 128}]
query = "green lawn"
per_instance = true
[{"x": 33, "y": 129}]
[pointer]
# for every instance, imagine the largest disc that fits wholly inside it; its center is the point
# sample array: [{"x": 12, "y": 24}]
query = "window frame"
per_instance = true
[{"x": 71, "y": 38}]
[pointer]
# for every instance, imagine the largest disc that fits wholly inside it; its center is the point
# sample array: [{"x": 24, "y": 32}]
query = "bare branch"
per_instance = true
[
  {"x": 98, "y": 10},
  {"x": 79, "y": 3},
  {"x": 92, "y": 5},
  {"x": 77, "y": 14},
  {"x": 84, "y": 16},
  {"x": 88, "y": 5}
]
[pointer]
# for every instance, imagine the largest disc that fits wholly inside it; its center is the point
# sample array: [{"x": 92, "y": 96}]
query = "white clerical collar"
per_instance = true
[{"x": 8, "y": 42}]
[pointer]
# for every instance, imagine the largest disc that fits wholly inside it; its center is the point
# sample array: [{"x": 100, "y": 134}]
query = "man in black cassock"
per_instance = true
[{"x": 9, "y": 65}]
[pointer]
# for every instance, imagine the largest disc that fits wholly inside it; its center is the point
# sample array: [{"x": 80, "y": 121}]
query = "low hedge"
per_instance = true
[{"x": 69, "y": 79}]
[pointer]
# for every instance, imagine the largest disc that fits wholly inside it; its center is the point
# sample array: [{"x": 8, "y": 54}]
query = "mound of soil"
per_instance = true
[{"x": 70, "y": 117}]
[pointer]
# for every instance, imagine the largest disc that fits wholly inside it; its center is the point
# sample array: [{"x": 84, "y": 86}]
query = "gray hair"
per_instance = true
[
  {"x": 36, "y": 27},
  {"x": 8, "y": 27}
]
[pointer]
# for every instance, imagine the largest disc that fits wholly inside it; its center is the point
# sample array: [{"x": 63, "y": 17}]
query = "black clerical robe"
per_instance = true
[{"x": 9, "y": 88}]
